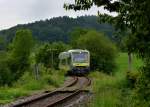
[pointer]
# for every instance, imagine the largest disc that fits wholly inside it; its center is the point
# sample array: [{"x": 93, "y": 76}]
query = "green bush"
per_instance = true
[
  {"x": 132, "y": 78},
  {"x": 15, "y": 61},
  {"x": 48, "y": 54},
  {"x": 102, "y": 50},
  {"x": 5, "y": 73},
  {"x": 18, "y": 55}
]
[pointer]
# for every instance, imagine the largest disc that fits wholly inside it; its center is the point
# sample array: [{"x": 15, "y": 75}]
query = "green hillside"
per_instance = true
[{"x": 58, "y": 29}]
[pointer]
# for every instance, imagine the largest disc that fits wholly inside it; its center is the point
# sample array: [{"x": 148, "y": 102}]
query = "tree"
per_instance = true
[
  {"x": 20, "y": 52},
  {"x": 5, "y": 73},
  {"x": 124, "y": 43},
  {"x": 43, "y": 55},
  {"x": 102, "y": 50},
  {"x": 48, "y": 54},
  {"x": 58, "y": 47},
  {"x": 75, "y": 34},
  {"x": 58, "y": 28},
  {"x": 133, "y": 15},
  {"x": 2, "y": 43}
]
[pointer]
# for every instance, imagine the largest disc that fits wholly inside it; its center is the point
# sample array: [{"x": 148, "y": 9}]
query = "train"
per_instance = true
[{"x": 75, "y": 61}]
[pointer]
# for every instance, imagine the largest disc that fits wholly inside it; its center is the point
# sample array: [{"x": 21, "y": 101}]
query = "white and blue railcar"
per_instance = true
[{"x": 75, "y": 61}]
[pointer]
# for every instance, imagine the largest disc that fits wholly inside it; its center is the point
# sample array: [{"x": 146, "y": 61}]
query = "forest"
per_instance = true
[{"x": 58, "y": 28}]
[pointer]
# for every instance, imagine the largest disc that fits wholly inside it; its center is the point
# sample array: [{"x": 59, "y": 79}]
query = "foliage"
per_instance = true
[
  {"x": 2, "y": 43},
  {"x": 107, "y": 90},
  {"x": 102, "y": 50},
  {"x": 5, "y": 73},
  {"x": 58, "y": 29},
  {"x": 133, "y": 15},
  {"x": 112, "y": 91},
  {"x": 75, "y": 34},
  {"x": 60, "y": 47},
  {"x": 27, "y": 85},
  {"x": 18, "y": 59},
  {"x": 48, "y": 54},
  {"x": 132, "y": 78},
  {"x": 121, "y": 39},
  {"x": 43, "y": 55}
]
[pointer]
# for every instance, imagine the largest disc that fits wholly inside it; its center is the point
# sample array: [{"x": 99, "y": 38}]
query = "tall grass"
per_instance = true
[
  {"x": 28, "y": 85},
  {"x": 110, "y": 91}
]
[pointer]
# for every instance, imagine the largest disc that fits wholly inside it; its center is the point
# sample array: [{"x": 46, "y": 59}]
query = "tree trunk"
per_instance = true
[
  {"x": 36, "y": 70},
  {"x": 129, "y": 61}
]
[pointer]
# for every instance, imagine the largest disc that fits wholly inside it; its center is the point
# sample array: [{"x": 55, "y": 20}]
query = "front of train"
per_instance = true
[{"x": 80, "y": 61}]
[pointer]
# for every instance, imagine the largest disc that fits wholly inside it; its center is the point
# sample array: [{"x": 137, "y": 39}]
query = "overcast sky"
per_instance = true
[{"x": 13, "y": 12}]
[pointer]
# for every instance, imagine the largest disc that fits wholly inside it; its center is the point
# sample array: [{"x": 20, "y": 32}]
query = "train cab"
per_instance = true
[{"x": 75, "y": 61}]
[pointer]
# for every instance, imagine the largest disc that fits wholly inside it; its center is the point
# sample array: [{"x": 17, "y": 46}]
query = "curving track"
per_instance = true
[{"x": 70, "y": 89}]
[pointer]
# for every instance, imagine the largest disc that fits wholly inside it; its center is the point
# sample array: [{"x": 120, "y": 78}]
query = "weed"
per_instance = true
[{"x": 111, "y": 90}]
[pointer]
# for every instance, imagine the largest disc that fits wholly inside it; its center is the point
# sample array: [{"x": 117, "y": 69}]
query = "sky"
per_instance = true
[{"x": 13, "y": 12}]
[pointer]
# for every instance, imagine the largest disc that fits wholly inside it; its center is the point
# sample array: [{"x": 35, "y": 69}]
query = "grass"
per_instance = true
[
  {"x": 122, "y": 62},
  {"x": 110, "y": 91},
  {"x": 28, "y": 85}
]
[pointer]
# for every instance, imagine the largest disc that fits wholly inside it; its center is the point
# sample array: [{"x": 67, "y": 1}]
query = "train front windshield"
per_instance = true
[{"x": 80, "y": 57}]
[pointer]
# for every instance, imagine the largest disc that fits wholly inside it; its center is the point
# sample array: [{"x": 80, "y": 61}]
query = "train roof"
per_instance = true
[
  {"x": 77, "y": 50},
  {"x": 64, "y": 55}
]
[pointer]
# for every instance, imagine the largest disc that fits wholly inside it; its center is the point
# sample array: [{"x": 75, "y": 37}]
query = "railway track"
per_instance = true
[{"x": 52, "y": 99}]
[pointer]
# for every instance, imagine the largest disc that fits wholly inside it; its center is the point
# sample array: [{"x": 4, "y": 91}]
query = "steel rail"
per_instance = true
[
  {"x": 78, "y": 91},
  {"x": 50, "y": 94},
  {"x": 75, "y": 79},
  {"x": 64, "y": 99}
]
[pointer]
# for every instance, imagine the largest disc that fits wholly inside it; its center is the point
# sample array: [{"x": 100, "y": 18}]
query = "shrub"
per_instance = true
[
  {"x": 18, "y": 58},
  {"x": 48, "y": 54},
  {"x": 132, "y": 78},
  {"x": 5, "y": 73},
  {"x": 102, "y": 50}
]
